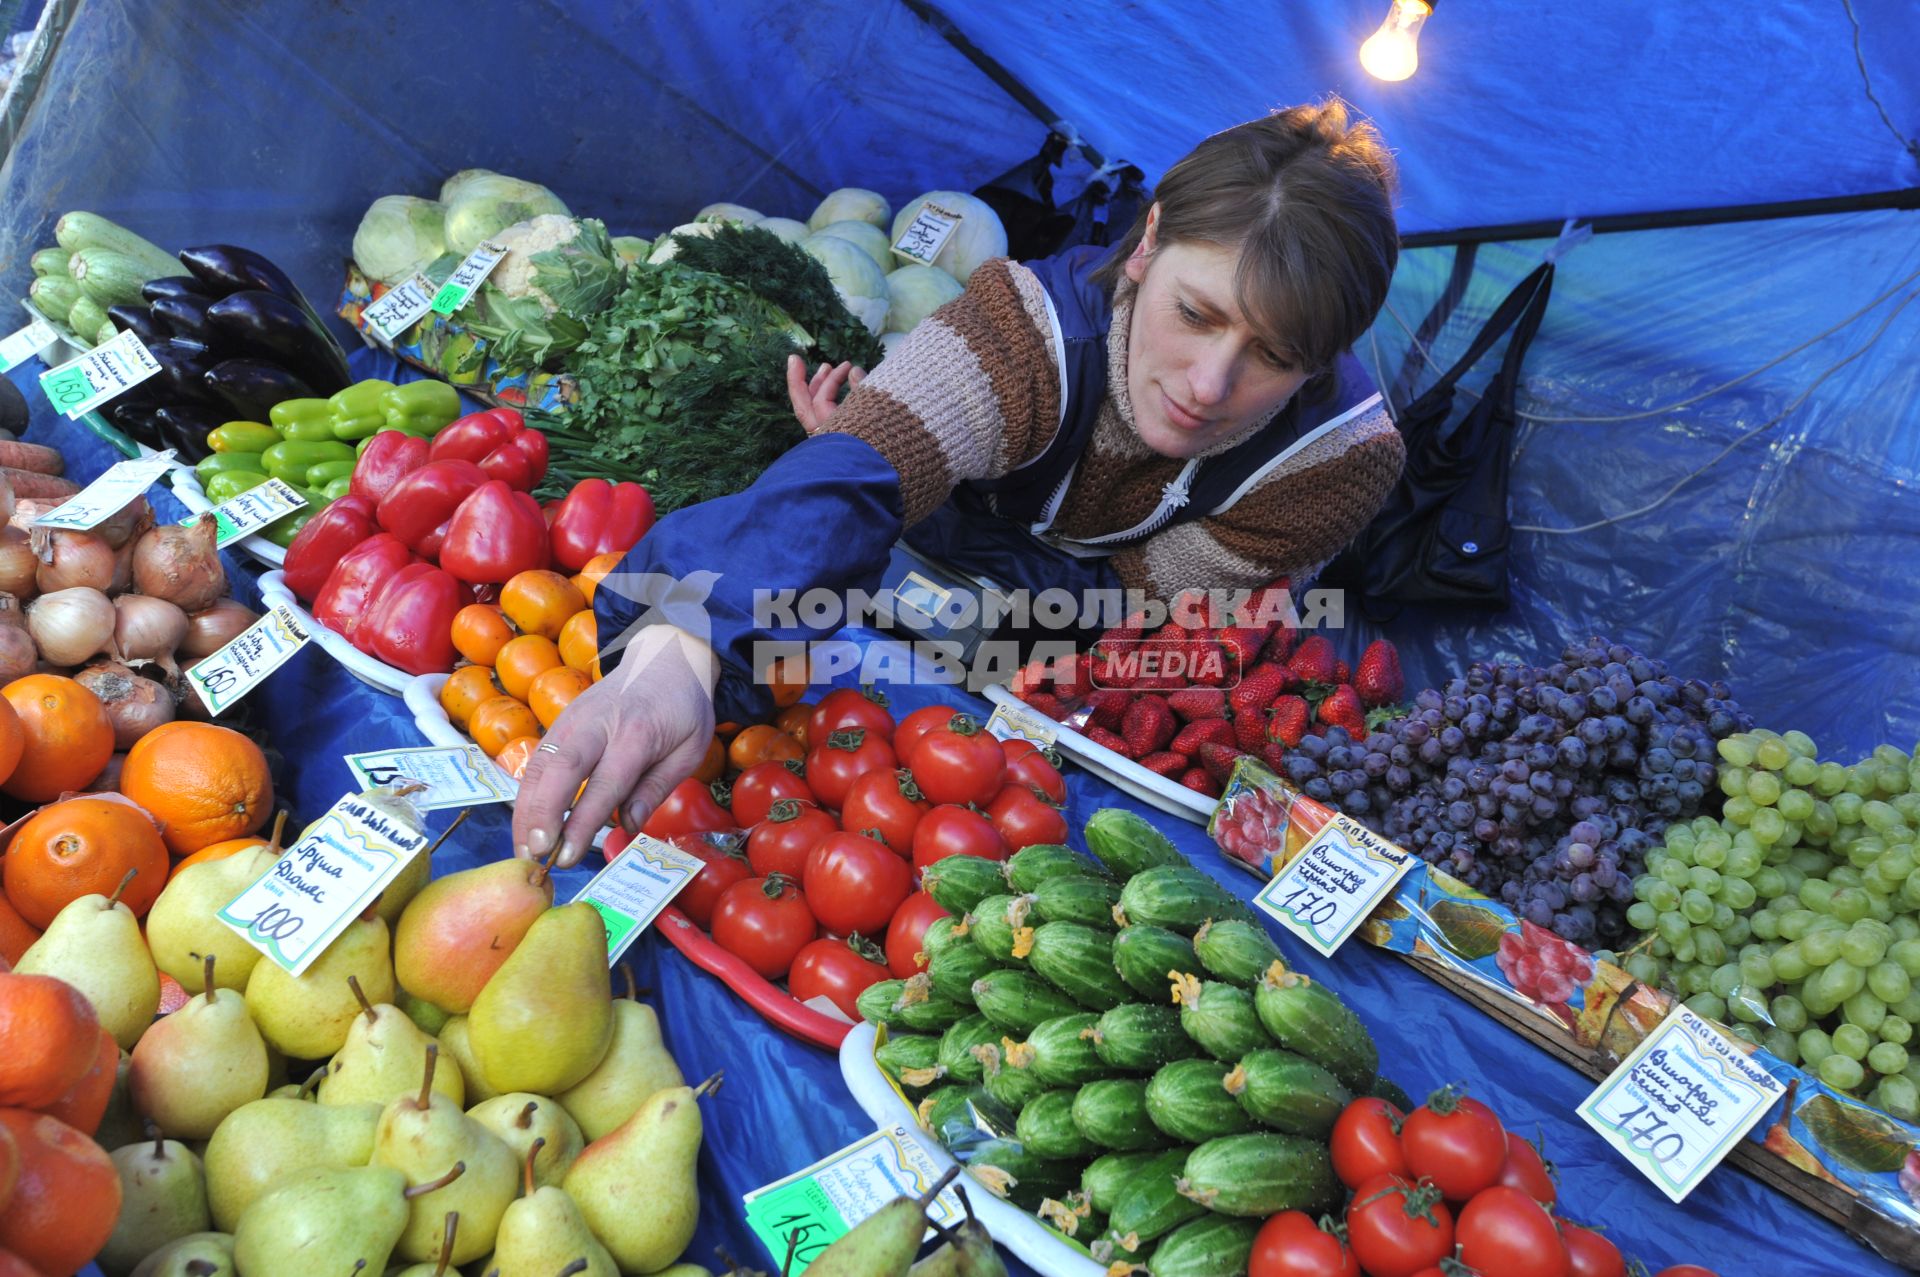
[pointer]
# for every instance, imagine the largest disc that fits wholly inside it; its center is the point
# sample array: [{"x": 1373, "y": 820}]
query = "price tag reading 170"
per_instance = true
[
  {"x": 467, "y": 278},
  {"x": 1328, "y": 889}
]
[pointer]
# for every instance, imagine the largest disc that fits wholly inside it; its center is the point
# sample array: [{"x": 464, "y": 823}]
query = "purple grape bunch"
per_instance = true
[{"x": 1542, "y": 787}]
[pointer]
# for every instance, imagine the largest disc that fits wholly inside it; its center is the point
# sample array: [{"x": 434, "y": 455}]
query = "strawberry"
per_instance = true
[
  {"x": 1147, "y": 727},
  {"x": 1122, "y": 635},
  {"x": 1219, "y": 761},
  {"x": 1029, "y": 678},
  {"x": 1196, "y": 779},
  {"x": 1047, "y": 703},
  {"x": 1241, "y": 643},
  {"x": 1107, "y": 708},
  {"x": 1196, "y": 703},
  {"x": 1108, "y": 740},
  {"x": 1313, "y": 661},
  {"x": 1274, "y": 755},
  {"x": 1114, "y": 666},
  {"x": 1250, "y": 730},
  {"x": 1164, "y": 763},
  {"x": 1378, "y": 680},
  {"x": 1202, "y": 731},
  {"x": 1279, "y": 644},
  {"x": 1205, "y": 662},
  {"x": 1288, "y": 722},
  {"x": 1341, "y": 674},
  {"x": 1257, "y": 690},
  {"x": 1342, "y": 708},
  {"x": 1072, "y": 686}
]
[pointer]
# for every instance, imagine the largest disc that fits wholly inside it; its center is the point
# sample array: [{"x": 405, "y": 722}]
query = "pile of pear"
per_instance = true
[{"x": 474, "y": 1098}]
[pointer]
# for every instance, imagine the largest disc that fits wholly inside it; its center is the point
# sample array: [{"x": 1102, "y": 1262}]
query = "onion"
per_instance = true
[
  {"x": 27, "y": 509},
  {"x": 18, "y": 563},
  {"x": 148, "y": 629},
  {"x": 18, "y": 655},
  {"x": 69, "y": 559},
  {"x": 71, "y": 625},
  {"x": 10, "y": 614},
  {"x": 133, "y": 518},
  {"x": 6, "y": 498},
  {"x": 135, "y": 705},
  {"x": 186, "y": 702},
  {"x": 180, "y": 565},
  {"x": 213, "y": 629}
]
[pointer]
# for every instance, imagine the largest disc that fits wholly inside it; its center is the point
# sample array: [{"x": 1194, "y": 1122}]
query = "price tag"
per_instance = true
[
  {"x": 824, "y": 1202},
  {"x": 1009, "y": 721},
  {"x": 635, "y": 886},
  {"x": 466, "y": 278},
  {"x": 300, "y": 905},
  {"x": 101, "y": 374},
  {"x": 107, "y": 495},
  {"x": 455, "y": 775},
  {"x": 246, "y": 514},
  {"x": 1327, "y": 891},
  {"x": 256, "y": 652},
  {"x": 399, "y": 308},
  {"x": 1680, "y": 1102},
  {"x": 927, "y": 234},
  {"x": 21, "y": 346}
]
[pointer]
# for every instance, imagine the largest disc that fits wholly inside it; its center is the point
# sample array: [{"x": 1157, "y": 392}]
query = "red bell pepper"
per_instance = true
[
  {"x": 419, "y": 507},
  {"x": 598, "y": 518},
  {"x": 500, "y": 443},
  {"x": 391, "y": 456},
  {"x": 324, "y": 541},
  {"x": 410, "y": 624},
  {"x": 494, "y": 535},
  {"x": 343, "y": 601}
]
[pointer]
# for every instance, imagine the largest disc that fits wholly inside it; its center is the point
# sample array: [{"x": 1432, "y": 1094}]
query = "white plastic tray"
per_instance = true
[
  {"x": 1012, "y": 1227},
  {"x": 186, "y": 486},
  {"x": 388, "y": 678},
  {"x": 1156, "y": 791}
]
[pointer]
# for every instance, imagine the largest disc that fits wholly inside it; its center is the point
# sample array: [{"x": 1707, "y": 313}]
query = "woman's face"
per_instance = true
[{"x": 1196, "y": 371}]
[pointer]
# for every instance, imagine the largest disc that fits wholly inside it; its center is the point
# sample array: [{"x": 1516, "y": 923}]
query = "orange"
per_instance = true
[
  {"x": 13, "y": 739},
  {"x": 714, "y": 765},
  {"x": 588, "y": 578},
  {"x": 9, "y": 1172},
  {"x": 51, "y": 1034},
  {"x": 580, "y": 643},
  {"x": 513, "y": 759},
  {"x": 16, "y": 933},
  {"x": 85, "y": 1102},
  {"x": 68, "y": 1197},
  {"x": 83, "y": 846},
  {"x": 553, "y": 691},
  {"x": 480, "y": 630},
  {"x": 523, "y": 660},
  {"x": 794, "y": 720},
  {"x": 218, "y": 851},
  {"x": 204, "y": 784},
  {"x": 68, "y": 737},
  {"x": 539, "y": 602},
  {"x": 465, "y": 689},
  {"x": 761, "y": 742},
  {"x": 498, "y": 721}
]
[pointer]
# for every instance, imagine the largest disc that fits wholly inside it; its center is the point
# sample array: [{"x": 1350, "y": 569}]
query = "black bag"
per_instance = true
[{"x": 1443, "y": 534}]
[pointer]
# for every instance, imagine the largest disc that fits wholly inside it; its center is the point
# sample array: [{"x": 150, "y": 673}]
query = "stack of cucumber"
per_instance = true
[
  {"x": 98, "y": 264},
  {"x": 1120, "y": 1047}
]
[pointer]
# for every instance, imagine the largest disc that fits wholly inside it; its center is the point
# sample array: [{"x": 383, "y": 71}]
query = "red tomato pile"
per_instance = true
[{"x": 1444, "y": 1191}]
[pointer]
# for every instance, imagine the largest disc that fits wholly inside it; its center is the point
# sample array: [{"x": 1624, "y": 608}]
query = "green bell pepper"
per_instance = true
[
  {"x": 327, "y": 471},
  {"x": 308, "y": 420},
  {"x": 219, "y": 462},
  {"x": 337, "y": 488},
  {"x": 289, "y": 461},
  {"x": 358, "y": 410},
  {"x": 228, "y": 484},
  {"x": 421, "y": 407},
  {"x": 243, "y": 436},
  {"x": 282, "y": 531}
]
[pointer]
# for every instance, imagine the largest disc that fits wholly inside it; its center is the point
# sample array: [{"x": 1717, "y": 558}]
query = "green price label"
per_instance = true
[
  {"x": 67, "y": 387},
  {"x": 618, "y": 925}
]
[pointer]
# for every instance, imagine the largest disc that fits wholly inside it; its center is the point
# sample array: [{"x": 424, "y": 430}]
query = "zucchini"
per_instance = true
[
  {"x": 110, "y": 278},
  {"x": 1288, "y": 1092},
  {"x": 1253, "y": 1176},
  {"x": 951, "y": 1107},
  {"x": 1220, "y": 1017},
  {"x": 957, "y": 1043},
  {"x": 1078, "y": 961},
  {"x": 1148, "y": 957},
  {"x": 1211, "y": 1246},
  {"x": 875, "y": 1002},
  {"x": 1031, "y": 866},
  {"x": 1009, "y": 1086},
  {"x": 1113, "y": 1114},
  {"x": 51, "y": 263},
  {"x": 85, "y": 316},
  {"x": 912, "y": 1058},
  {"x": 1188, "y": 1100},
  {"x": 958, "y": 883},
  {"x": 923, "y": 1010},
  {"x": 997, "y": 925},
  {"x": 1235, "y": 950},
  {"x": 1019, "y": 1001},
  {"x": 939, "y": 936},
  {"x": 53, "y": 295},
  {"x": 956, "y": 967},
  {"x": 1310, "y": 1019},
  {"x": 79, "y": 230},
  {"x": 1126, "y": 843},
  {"x": 1178, "y": 897},
  {"x": 1060, "y": 1052},
  {"x": 108, "y": 331},
  {"x": 1045, "y": 1127},
  {"x": 1006, "y": 1169},
  {"x": 1072, "y": 898},
  {"x": 1140, "y": 1038},
  {"x": 1150, "y": 1207},
  {"x": 1108, "y": 1175}
]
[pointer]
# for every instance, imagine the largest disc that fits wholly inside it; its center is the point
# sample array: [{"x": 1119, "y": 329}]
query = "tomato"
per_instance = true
[
  {"x": 1292, "y": 1245},
  {"x": 888, "y": 804},
  {"x": 780, "y": 843},
  {"x": 689, "y": 808},
  {"x": 850, "y": 708},
  {"x": 854, "y": 883},
  {"x": 842, "y": 758},
  {"x": 959, "y": 763},
  {"x": 1526, "y": 1171},
  {"x": 837, "y": 970},
  {"x": 1456, "y": 1142},
  {"x": 762, "y": 785},
  {"x": 723, "y": 863},
  {"x": 1023, "y": 817},
  {"x": 1397, "y": 1228},
  {"x": 918, "y": 724},
  {"x": 1030, "y": 766},
  {"x": 948, "y": 830},
  {"x": 765, "y": 922},
  {"x": 1366, "y": 1142},
  {"x": 1502, "y": 1230},
  {"x": 1686, "y": 1270},
  {"x": 1591, "y": 1255},
  {"x": 910, "y": 923}
]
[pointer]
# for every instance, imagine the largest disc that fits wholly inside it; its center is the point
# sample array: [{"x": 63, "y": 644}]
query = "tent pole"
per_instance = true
[{"x": 1906, "y": 200}]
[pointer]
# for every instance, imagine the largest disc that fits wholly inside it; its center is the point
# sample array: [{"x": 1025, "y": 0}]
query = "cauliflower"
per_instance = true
[{"x": 514, "y": 274}]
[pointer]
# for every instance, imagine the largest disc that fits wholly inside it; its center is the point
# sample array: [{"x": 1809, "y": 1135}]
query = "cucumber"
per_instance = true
[
  {"x": 79, "y": 230},
  {"x": 1188, "y": 1100},
  {"x": 939, "y": 936},
  {"x": 1310, "y": 1019},
  {"x": 1178, "y": 897},
  {"x": 109, "y": 278},
  {"x": 1113, "y": 1114},
  {"x": 997, "y": 925},
  {"x": 1073, "y": 898},
  {"x": 51, "y": 263},
  {"x": 1139, "y": 1038},
  {"x": 1108, "y": 1176},
  {"x": 1019, "y": 1001},
  {"x": 1071, "y": 1216},
  {"x": 1220, "y": 1017},
  {"x": 1031, "y": 866},
  {"x": 1006, "y": 1169},
  {"x": 1147, "y": 957},
  {"x": 1078, "y": 961},
  {"x": 1385, "y": 1088},
  {"x": 1045, "y": 1127},
  {"x": 956, "y": 967},
  {"x": 1009, "y": 1086},
  {"x": 1235, "y": 950},
  {"x": 925, "y": 1011},
  {"x": 85, "y": 316},
  {"x": 912, "y": 1058},
  {"x": 1060, "y": 1052},
  {"x": 951, "y": 1107},
  {"x": 956, "y": 1046},
  {"x": 1253, "y": 1176},
  {"x": 1150, "y": 1207},
  {"x": 875, "y": 1002},
  {"x": 1288, "y": 1092},
  {"x": 958, "y": 883},
  {"x": 1211, "y": 1246},
  {"x": 1126, "y": 843},
  {"x": 53, "y": 295}
]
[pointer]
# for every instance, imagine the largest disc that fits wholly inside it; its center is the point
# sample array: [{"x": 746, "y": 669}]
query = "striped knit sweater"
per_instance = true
[{"x": 974, "y": 392}]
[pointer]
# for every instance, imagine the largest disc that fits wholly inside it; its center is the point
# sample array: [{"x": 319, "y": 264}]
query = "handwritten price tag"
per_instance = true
[
  {"x": 824, "y": 1202},
  {"x": 1680, "y": 1102},
  {"x": 252, "y": 510},
  {"x": 399, "y": 308},
  {"x": 455, "y": 775},
  {"x": 292, "y": 912},
  {"x": 635, "y": 886},
  {"x": 107, "y": 495},
  {"x": 1009, "y": 721},
  {"x": 101, "y": 374},
  {"x": 467, "y": 278},
  {"x": 927, "y": 234},
  {"x": 23, "y": 345},
  {"x": 241, "y": 665},
  {"x": 1327, "y": 891}
]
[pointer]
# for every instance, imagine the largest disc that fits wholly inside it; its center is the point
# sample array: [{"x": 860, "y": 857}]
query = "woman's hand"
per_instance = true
[
  {"x": 632, "y": 737},
  {"x": 816, "y": 399}
]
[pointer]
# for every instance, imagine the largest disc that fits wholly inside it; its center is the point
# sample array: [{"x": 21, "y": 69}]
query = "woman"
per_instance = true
[{"x": 1179, "y": 412}]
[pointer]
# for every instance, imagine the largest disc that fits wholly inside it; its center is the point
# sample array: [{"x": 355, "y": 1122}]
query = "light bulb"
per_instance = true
[{"x": 1393, "y": 52}]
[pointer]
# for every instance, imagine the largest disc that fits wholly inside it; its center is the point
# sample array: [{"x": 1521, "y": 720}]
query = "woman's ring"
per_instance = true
[{"x": 546, "y": 747}]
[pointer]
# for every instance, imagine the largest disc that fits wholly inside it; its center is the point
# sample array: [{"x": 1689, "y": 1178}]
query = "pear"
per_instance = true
[
  {"x": 265, "y": 1143},
  {"x": 307, "y": 1016},
  {"x": 455, "y": 1043},
  {"x": 197, "y": 1255},
  {"x": 200, "y": 1063},
  {"x": 120, "y": 1125},
  {"x": 94, "y": 945},
  {"x": 460, "y": 928},
  {"x": 885, "y": 1242},
  {"x": 299, "y": 1090},
  {"x": 421, "y": 1135},
  {"x": 685, "y": 1270},
  {"x": 381, "y": 1059},
  {"x": 182, "y": 930},
  {"x": 543, "y": 1232},
  {"x": 968, "y": 1252},
  {"x": 544, "y": 1020},
  {"x": 428, "y": 1018},
  {"x": 520, "y": 1120},
  {"x": 163, "y": 1197},
  {"x": 440, "y": 1267},
  {"x": 636, "y": 1065},
  {"x": 329, "y": 1223},
  {"x": 637, "y": 1186}
]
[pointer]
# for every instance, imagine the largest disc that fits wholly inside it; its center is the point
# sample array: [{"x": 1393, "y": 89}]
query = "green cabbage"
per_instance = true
[
  {"x": 725, "y": 212},
  {"x": 482, "y": 204},
  {"x": 914, "y": 292},
  {"x": 865, "y": 236},
  {"x": 785, "y": 227},
  {"x": 397, "y": 236},
  {"x": 631, "y": 250},
  {"x": 850, "y": 204},
  {"x": 862, "y": 288},
  {"x": 978, "y": 237}
]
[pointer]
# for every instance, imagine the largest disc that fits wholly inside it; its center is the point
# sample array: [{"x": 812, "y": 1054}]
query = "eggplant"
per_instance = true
[
  {"x": 251, "y": 387},
  {"x": 230, "y": 270},
  {"x": 266, "y": 324},
  {"x": 185, "y": 427},
  {"x": 186, "y": 320},
  {"x": 183, "y": 370},
  {"x": 140, "y": 422},
  {"x": 177, "y": 286},
  {"x": 138, "y": 320}
]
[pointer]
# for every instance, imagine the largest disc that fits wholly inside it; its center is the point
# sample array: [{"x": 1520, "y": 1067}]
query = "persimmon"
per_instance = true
[
  {"x": 540, "y": 602},
  {"x": 523, "y": 660},
  {"x": 516, "y": 754},
  {"x": 553, "y": 691},
  {"x": 498, "y": 721},
  {"x": 203, "y": 783},
  {"x": 480, "y": 630},
  {"x": 794, "y": 719},
  {"x": 714, "y": 765},
  {"x": 68, "y": 738},
  {"x": 465, "y": 690},
  {"x": 580, "y": 643},
  {"x": 588, "y": 578}
]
